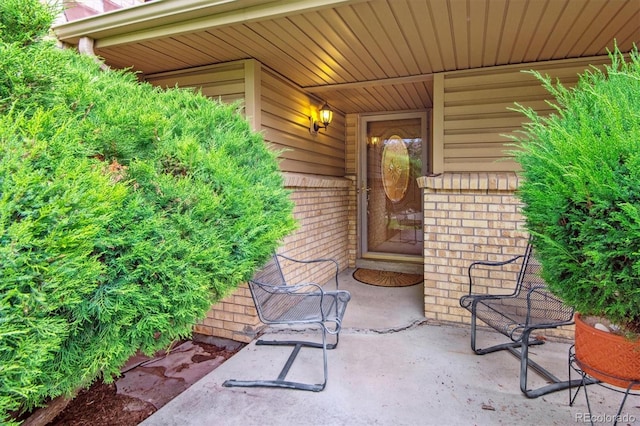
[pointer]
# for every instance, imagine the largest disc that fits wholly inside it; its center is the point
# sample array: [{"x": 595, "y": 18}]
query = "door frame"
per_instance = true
[{"x": 373, "y": 260}]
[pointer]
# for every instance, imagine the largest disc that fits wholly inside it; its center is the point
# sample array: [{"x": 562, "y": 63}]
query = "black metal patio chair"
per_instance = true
[
  {"x": 279, "y": 301},
  {"x": 517, "y": 315}
]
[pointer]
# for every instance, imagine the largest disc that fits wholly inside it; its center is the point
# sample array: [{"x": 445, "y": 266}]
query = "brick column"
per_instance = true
[{"x": 467, "y": 217}]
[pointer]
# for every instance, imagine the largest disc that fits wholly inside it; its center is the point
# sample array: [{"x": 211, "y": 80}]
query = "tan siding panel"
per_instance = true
[
  {"x": 306, "y": 150},
  {"x": 481, "y": 124},
  {"x": 199, "y": 79},
  {"x": 476, "y": 137},
  {"x": 235, "y": 91},
  {"x": 285, "y": 124},
  {"x": 477, "y": 111},
  {"x": 495, "y": 108},
  {"x": 351, "y": 140},
  {"x": 292, "y": 166},
  {"x": 504, "y": 76},
  {"x": 481, "y": 165},
  {"x": 489, "y": 150},
  {"x": 482, "y": 96},
  {"x": 222, "y": 82}
]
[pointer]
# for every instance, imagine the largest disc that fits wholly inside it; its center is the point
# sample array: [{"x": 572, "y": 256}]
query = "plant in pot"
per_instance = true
[{"x": 581, "y": 203}]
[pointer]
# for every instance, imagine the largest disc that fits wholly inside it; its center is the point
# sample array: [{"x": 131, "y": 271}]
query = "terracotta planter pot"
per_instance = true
[{"x": 606, "y": 356}]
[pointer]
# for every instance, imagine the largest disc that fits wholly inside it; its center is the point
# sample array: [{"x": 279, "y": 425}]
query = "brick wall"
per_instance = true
[
  {"x": 322, "y": 208},
  {"x": 468, "y": 217}
]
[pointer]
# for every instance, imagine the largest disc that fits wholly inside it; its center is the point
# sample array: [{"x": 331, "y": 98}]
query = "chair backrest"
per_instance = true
[
  {"x": 271, "y": 303},
  {"x": 529, "y": 275},
  {"x": 270, "y": 273},
  {"x": 545, "y": 307}
]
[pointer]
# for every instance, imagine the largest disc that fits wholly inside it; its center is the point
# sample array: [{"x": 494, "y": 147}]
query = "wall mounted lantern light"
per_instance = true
[{"x": 325, "y": 117}]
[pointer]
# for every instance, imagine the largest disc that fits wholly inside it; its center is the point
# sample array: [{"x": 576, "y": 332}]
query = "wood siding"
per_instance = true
[
  {"x": 274, "y": 106},
  {"x": 285, "y": 122},
  {"x": 351, "y": 138},
  {"x": 472, "y": 112},
  {"x": 225, "y": 82}
]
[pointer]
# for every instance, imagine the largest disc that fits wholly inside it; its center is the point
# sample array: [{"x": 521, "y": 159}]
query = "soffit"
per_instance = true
[{"x": 360, "y": 56}]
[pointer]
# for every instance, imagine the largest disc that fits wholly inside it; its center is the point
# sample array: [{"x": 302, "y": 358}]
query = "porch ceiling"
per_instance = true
[{"x": 359, "y": 55}]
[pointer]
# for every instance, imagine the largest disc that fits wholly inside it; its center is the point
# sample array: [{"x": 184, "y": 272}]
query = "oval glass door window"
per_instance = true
[{"x": 395, "y": 168}]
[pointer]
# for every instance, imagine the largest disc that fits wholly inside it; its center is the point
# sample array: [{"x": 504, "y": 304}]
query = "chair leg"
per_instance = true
[
  {"x": 525, "y": 362},
  {"x": 280, "y": 382}
]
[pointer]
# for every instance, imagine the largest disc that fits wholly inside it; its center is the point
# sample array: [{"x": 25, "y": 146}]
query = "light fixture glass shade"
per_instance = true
[{"x": 326, "y": 115}]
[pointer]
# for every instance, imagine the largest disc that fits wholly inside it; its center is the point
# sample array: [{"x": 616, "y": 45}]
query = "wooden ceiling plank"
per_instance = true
[
  {"x": 494, "y": 31},
  {"x": 582, "y": 31},
  {"x": 411, "y": 96},
  {"x": 352, "y": 53},
  {"x": 426, "y": 90},
  {"x": 363, "y": 21},
  {"x": 528, "y": 31},
  {"x": 432, "y": 56},
  {"x": 462, "y": 43},
  {"x": 400, "y": 96},
  {"x": 280, "y": 61},
  {"x": 478, "y": 11},
  {"x": 373, "y": 97},
  {"x": 182, "y": 52},
  {"x": 397, "y": 93},
  {"x": 441, "y": 22},
  {"x": 349, "y": 45},
  {"x": 216, "y": 47},
  {"x": 145, "y": 58},
  {"x": 552, "y": 10},
  {"x": 416, "y": 49},
  {"x": 513, "y": 26},
  {"x": 371, "y": 53},
  {"x": 350, "y": 100},
  {"x": 323, "y": 40},
  {"x": 288, "y": 38},
  {"x": 116, "y": 58},
  {"x": 561, "y": 29},
  {"x": 420, "y": 95},
  {"x": 126, "y": 54},
  {"x": 398, "y": 24},
  {"x": 622, "y": 24}
]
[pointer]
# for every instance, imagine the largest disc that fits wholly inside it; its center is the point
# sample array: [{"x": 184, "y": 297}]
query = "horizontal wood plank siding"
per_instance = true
[
  {"x": 225, "y": 82},
  {"x": 477, "y": 111},
  {"x": 285, "y": 124}
]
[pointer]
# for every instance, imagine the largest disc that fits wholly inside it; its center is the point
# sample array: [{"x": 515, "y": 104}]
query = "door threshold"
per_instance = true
[{"x": 404, "y": 266}]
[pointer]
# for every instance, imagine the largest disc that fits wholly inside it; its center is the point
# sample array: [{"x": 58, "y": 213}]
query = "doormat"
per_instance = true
[{"x": 386, "y": 278}]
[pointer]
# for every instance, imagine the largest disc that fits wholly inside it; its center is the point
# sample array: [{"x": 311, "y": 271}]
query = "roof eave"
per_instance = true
[{"x": 170, "y": 17}]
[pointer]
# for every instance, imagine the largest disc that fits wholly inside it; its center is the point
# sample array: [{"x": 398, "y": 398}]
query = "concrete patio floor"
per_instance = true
[{"x": 392, "y": 367}]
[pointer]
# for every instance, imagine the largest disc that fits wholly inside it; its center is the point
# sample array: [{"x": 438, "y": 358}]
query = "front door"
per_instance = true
[{"x": 393, "y": 154}]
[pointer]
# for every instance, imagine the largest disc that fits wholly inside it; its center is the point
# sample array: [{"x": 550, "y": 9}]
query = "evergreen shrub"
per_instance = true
[
  {"x": 125, "y": 212},
  {"x": 581, "y": 190}
]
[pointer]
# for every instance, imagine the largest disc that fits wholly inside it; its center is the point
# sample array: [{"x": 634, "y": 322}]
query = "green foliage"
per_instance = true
[
  {"x": 125, "y": 211},
  {"x": 23, "y": 21},
  {"x": 581, "y": 169}
]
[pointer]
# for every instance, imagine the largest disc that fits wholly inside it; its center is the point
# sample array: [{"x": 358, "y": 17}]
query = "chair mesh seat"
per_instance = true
[
  {"x": 511, "y": 316},
  {"x": 290, "y": 308}
]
